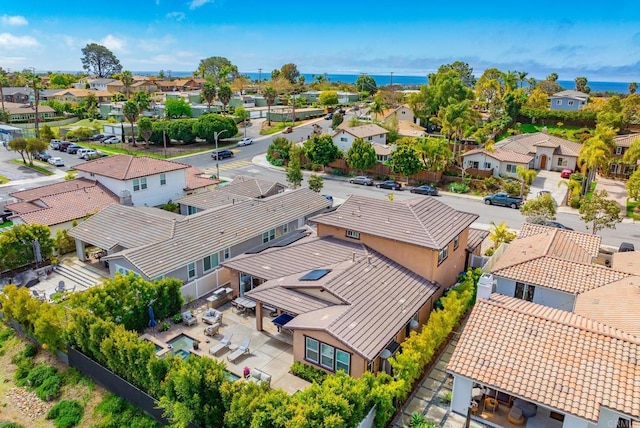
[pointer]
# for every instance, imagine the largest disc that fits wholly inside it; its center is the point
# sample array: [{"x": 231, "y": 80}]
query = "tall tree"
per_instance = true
[
  {"x": 290, "y": 72},
  {"x": 35, "y": 146},
  {"x": 633, "y": 185},
  {"x": 404, "y": 161},
  {"x": 19, "y": 145},
  {"x": 4, "y": 81},
  {"x": 142, "y": 99},
  {"x": 632, "y": 155},
  {"x": 91, "y": 104},
  {"x": 599, "y": 212},
  {"x": 224, "y": 95},
  {"x": 35, "y": 83},
  {"x": 361, "y": 155},
  {"x": 434, "y": 153},
  {"x": 540, "y": 209},
  {"x": 100, "y": 61},
  {"x": 581, "y": 85},
  {"x": 595, "y": 154},
  {"x": 217, "y": 69},
  {"x": 454, "y": 120},
  {"x": 145, "y": 128},
  {"x": 320, "y": 149},
  {"x": 294, "y": 171},
  {"x": 553, "y": 77},
  {"x": 126, "y": 77},
  {"x": 376, "y": 106},
  {"x": 208, "y": 93},
  {"x": 269, "y": 95},
  {"x": 526, "y": 177},
  {"x": 633, "y": 87},
  {"x": 365, "y": 83},
  {"x": 174, "y": 108},
  {"x": 131, "y": 111},
  {"x": 463, "y": 70}
]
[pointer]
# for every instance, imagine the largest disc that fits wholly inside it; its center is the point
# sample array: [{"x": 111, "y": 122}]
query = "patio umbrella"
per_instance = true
[{"x": 152, "y": 318}]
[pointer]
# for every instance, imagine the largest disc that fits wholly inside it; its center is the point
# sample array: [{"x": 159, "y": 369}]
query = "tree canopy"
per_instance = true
[
  {"x": 320, "y": 149},
  {"x": 598, "y": 212},
  {"x": 361, "y": 155},
  {"x": 175, "y": 108},
  {"x": 365, "y": 83},
  {"x": 405, "y": 161},
  {"x": 209, "y": 124},
  {"x": 100, "y": 61},
  {"x": 290, "y": 72},
  {"x": 540, "y": 209},
  {"x": 328, "y": 98},
  {"x": 217, "y": 69}
]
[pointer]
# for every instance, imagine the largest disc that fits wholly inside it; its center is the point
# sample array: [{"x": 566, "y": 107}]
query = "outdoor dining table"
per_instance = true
[{"x": 244, "y": 303}]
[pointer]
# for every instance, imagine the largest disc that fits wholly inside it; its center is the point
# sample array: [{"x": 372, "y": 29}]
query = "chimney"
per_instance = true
[
  {"x": 369, "y": 259},
  {"x": 125, "y": 198},
  {"x": 485, "y": 286},
  {"x": 353, "y": 256}
]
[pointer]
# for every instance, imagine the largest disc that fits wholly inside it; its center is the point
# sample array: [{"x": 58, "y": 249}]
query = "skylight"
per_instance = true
[{"x": 314, "y": 275}]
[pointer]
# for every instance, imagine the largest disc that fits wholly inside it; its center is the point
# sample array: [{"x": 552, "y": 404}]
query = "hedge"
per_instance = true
[{"x": 551, "y": 117}]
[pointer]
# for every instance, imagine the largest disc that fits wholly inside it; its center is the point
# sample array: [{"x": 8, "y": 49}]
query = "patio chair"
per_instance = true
[
  {"x": 212, "y": 330},
  {"x": 242, "y": 349},
  {"x": 188, "y": 318},
  {"x": 41, "y": 295},
  {"x": 211, "y": 316},
  {"x": 60, "y": 288},
  {"x": 222, "y": 345}
]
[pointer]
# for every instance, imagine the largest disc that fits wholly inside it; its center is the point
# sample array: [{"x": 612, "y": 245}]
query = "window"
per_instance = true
[
  {"x": 618, "y": 150},
  {"x": 623, "y": 423},
  {"x": 613, "y": 168},
  {"x": 343, "y": 361},
  {"x": 311, "y": 350},
  {"x": 456, "y": 242},
  {"x": 487, "y": 165},
  {"x": 524, "y": 291},
  {"x": 191, "y": 270},
  {"x": 369, "y": 138},
  {"x": 226, "y": 253},
  {"x": 285, "y": 228},
  {"x": 560, "y": 161},
  {"x": 511, "y": 168},
  {"x": 326, "y": 356},
  {"x": 163, "y": 179},
  {"x": 353, "y": 234},
  {"x": 472, "y": 164},
  {"x": 210, "y": 262},
  {"x": 570, "y": 102},
  {"x": 268, "y": 236},
  {"x": 139, "y": 184},
  {"x": 344, "y": 139},
  {"x": 191, "y": 210},
  {"x": 443, "y": 254},
  {"x": 558, "y": 102}
]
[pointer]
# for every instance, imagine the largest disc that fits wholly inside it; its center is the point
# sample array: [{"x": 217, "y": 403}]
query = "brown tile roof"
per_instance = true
[
  {"x": 476, "y": 236},
  {"x": 23, "y": 207},
  {"x": 81, "y": 93},
  {"x": 382, "y": 149},
  {"x": 52, "y": 189},
  {"x": 425, "y": 222},
  {"x": 211, "y": 199},
  {"x": 628, "y": 261},
  {"x": 364, "y": 301},
  {"x": 407, "y": 128},
  {"x": 587, "y": 241},
  {"x": 127, "y": 167},
  {"x": 551, "y": 357},
  {"x": 22, "y": 108},
  {"x": 252, "y": 187},
  {"x": 616, "y": 304},
  {"x": 502, "y": 155},
  {"x": 195, "y": 180},
  {"x": 364, "y": 131},
  {"x": 527, "y": 143},
  {"x": 625, "y": 140}
]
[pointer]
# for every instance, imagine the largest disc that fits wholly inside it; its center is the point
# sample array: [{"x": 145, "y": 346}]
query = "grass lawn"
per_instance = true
[
  {"x": 154, "y": 151},
  {"x": 631, "y": 209},
  {"x": 568, "y": 132},
  {"x": 3, "y": 179},
  {"x": 35, "y": 166},
  {"x": 279, "y": 126}
]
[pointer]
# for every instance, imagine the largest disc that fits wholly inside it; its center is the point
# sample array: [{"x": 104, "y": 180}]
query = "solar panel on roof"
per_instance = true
[{"x": 314, "y": 275}]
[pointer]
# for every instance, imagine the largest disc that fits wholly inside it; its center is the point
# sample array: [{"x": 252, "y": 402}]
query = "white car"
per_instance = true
[
  {"x": 88, "y": 154},
  {"x": 246, "y": 141},
  {"x": 112, "y": 140},
  {"x": 56, "y": 161}
]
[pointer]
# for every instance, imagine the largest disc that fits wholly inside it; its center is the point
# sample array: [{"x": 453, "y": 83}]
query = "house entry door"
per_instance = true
[{"x": 543, "y": 162}]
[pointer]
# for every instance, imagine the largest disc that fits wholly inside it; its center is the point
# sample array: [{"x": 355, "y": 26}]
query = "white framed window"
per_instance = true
[
  {"x": 524, "y": 291},
  {"x": 163, "y": 179},
  {"x": 558, "y": 102},
  {"x": 570, "y": 102},
  {"x": 487, "y": 165},
  {"x": 191, "y": 270},
  {"x": 327, "y": 356},
  {"x": 343, "y": 361},
  {"x": 562, "y": 162},
  {"x": 369, "y": 138},
  {"x": 139, "y": 184},
  {"x": 511, "y": 168},
  {"x": 443, "y": 254},
  {"x": 613, "y": 168},
  {"x": 210, "y": 262},
  {"x": 456, "y": 242},
  {"x": 191, "y": 210},
  {"x": 311, "y": 350},
  {"x": 285, "y": 228},
  {"x": 344, "y": 139},
  {"x": 618, "y": 150},
  {"x": 268, "y": 236},
  {"x": 473, "y": 164},
  {"x": 226, "y": 253},
  {"x": 353, "y": 234}
]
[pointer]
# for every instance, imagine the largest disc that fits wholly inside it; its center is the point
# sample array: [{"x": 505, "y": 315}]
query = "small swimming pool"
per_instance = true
[
  {"x": 232, "y": 377},
  {"x": 181, "y": 345}
]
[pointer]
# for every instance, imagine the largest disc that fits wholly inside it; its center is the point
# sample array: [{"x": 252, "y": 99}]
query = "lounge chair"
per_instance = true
[
  {"x": 188, "y": 318},
  {"x": 211, "y": 316},
  {"x": 222, "y": 345},
  {"x": 41, "y": 295},
  {"x": 212, "y": 330},
  {"x": 242, "y": 349}
]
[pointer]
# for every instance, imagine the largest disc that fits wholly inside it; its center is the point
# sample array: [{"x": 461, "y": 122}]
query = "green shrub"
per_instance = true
[
  {"x": 307, "y": 372},
  {"x": 10, "y": 425},
  {"x": 512, "y": 187},
  {"x": 66, "y": 414},
  {"x": 115, "y": 412},
  {"x": 50, "y": 388},
  {"x": 30, "y": 351},
  {"x": 491, "y": 183},
  {"x": 576, "y": 176},
  {"x": 458, "y": 187},
  {"x": 575, "y": 201},
  {"x": 72, "y": 376},
  {"x": 39, "y": 374},
  {"x": 5, "y": 334},
  {"x": 24, "y": 367}
]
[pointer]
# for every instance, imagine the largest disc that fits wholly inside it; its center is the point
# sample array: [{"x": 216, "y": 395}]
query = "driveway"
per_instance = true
[
  {"x": 616, "y": 190},
  {"x": 548, "y": 180}
]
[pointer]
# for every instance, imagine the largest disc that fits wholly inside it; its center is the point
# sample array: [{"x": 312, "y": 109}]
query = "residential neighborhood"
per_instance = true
[{"x": 190, "y": 238}]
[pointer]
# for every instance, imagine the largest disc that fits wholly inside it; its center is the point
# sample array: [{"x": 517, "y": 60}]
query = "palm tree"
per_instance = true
[
  {"x": 633, "y": 87},
  {"x": 434, "y": 153},
  {"x": 209, "y": 93},
  {"x": 377, "y": 106},
  {"x": 594, "y": 154},
  {"x": 526, "y": 176},
  {"x": 4, "y": 81},
  {"x": 522, "y": 77},
  {"x": 126, "y": 77},
  {"x": 131, "y": 111},
  {"x": 454, "y": 119},
  {"x": 35, "y": 83},
  {"x": 269, "y": 95},
  {"x": 224, "y": 95}
]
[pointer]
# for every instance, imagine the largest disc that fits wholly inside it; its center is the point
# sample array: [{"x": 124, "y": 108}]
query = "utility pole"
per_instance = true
[
  {"x": 259, "y": 80},
  {"x": 217, "y": 135}
]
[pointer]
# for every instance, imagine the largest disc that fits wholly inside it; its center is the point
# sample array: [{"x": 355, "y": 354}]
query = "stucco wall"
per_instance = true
[
  {"x": 542, "y": 295},
  {"x": 358, "y": 364}
]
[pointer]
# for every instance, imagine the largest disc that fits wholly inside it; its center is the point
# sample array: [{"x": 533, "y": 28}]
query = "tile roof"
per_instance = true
[
  {"x": 616, "y": 304},
  {"x": 364, "y": 301},
  {"x": 52, "y": 189},
  {"x": 81, "y": 92},
  {"x": 252, "y": 187},
  {"x": 382, "y": 149},
  {"x": 202, "y": 234},
  {"x": 364, "y": 131},
  {"x": 22, "y": 108},
  {"x": 502, "y": 155},
  {"x": 195, "y": 180},
  {"x": 625, "y": 140},
  {"x": 587, "y": 241},
  {"x": 425, "y": 222},
  {"x": 409, "y": 129},
  {"x": 127, "y": 167},
  {"x": 128, "y": 227},
  {"x": 550, "y": 357},
  {"x": 627, "y": 261},
  {"x": 476, "y": 236},
  {"x": 211, "y": 199},
  {"x": 570, "y": 93},
  {"x": 527, "y": 143}
]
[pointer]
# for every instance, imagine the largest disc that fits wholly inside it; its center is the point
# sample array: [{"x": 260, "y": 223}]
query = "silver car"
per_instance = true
[{"x": 361, "y": 179}]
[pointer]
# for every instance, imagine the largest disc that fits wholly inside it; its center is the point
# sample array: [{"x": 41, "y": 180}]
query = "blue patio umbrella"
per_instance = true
[{"x": 152, "y": 318}]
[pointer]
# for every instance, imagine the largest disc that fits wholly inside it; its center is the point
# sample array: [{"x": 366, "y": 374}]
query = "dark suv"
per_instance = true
[
  {"x": 73, "y": 149},
  {"x": 63, "y": 146},
  {"x": 222, "y": 154}
]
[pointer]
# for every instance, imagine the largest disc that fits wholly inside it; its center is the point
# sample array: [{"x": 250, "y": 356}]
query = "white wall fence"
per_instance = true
[
  {"x": 495, "y": 257},
  {"x": 206, "y": 284},
  {"x": 367, "y": 422}
]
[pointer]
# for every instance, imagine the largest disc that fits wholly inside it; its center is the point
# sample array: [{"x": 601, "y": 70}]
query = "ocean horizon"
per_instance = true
[{"x": 404, "y": 80}]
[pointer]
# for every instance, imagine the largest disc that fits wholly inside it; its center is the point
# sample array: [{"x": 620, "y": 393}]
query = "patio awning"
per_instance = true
[{"x": 282, "y": 319}]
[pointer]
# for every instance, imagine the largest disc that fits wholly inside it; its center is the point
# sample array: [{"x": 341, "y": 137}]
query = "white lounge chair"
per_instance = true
[
  {"x": 223, "y": 344},
  {"x": 242, "y": 349},
  {"x": 211, "y": 316}
]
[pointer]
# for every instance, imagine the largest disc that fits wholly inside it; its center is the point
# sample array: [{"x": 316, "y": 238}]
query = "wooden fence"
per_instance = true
[{"x": 381, "y": 171}]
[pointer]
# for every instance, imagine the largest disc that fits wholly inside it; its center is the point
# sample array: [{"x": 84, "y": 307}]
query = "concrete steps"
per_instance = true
[{"x": 78, "y": 274}]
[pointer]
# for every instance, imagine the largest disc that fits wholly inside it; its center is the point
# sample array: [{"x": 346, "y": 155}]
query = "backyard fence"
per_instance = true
[{"x": 382, "y": 170}]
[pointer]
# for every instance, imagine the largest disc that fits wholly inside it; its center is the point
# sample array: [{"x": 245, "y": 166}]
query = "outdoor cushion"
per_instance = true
[{"x": 528, "y": 409}]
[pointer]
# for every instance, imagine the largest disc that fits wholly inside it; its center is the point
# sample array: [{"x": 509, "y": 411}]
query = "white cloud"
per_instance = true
[
  {"x": 197, "y": 3},
  {"x": 13, "y": 61},
  {"x": 9, "y": 41},
  {"x": 69, "y": 41},
  {"x": 178, "y": 16},
  {"x": 156, "y": 44},
  {"x": 114, "y": 43},
  {"x": 13, "y": 20}
]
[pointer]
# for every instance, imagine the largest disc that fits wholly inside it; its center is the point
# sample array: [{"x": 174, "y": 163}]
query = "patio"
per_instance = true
[{"x": 270, "y": 351}]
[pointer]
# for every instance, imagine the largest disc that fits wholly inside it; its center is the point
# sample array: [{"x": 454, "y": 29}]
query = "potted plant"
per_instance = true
[
  {"x": 164, "y": 326},
  {"x": 196, "y": 344},
  {"x": 177, "y": 318}
]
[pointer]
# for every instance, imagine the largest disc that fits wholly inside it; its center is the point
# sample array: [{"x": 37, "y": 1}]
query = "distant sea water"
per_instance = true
[{"x": 386, "y": 79}]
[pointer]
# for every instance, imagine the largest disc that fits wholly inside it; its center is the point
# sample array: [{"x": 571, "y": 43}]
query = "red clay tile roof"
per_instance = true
[
  {"x": 195, "y": 179},
  {"x": 127, "y": 167},
  {"x": 625, "y": 140},
  {"x": 587, "y": 241},
  {"x": 53, "y": 189},
  {"x": 502, "y": 155},
  {"x": 550, "y": 357}
]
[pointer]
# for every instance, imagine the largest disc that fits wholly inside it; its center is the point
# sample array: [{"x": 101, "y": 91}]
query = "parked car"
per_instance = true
[
  {"x": 96, "y": 155},
  {"x": 111, "y": 140},
  {"x": 566, "y": 173},
  {"x": 389, "y": 184},
  {"x": 72, "y": 149},
  {"x": 329, "y": 116},
  {"x": 361, "y": 179},
  {"x": 425, "y": 190},
  {"x": 341, "y": 111},
  {"x": 626, "y": 246},
  {"x": 56, "y": 161},
  {"x": 504, "y": 200},
  {"x": 246, "y": 141},
  {"x": 82, "y": 151},
  {"x": 287, "y": 130},
  {"x": 97, "y": 137},
  {"x": 43, "y": 156},
  {"x": 221, "y": 154},
  {"x": 88, "y": 153},
  {"x": 63, "y": 146},
  {"x": 55, "y": 143},
  {"x": 558, "y": 225}
]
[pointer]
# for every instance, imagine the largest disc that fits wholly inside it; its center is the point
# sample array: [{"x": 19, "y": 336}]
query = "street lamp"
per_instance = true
[{"x": 217, "y": 135}]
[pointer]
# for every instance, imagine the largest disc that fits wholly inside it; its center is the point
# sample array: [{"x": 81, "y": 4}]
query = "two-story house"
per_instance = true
[
  {"x": 617, "y": 167},
  {"x": 99, "y": 84},
  {"x": 569, "y": 100},
  {"x": 549, "y": 152},
  {"x": 144, "y": 180},
  {"x": 372, "y": 133}
]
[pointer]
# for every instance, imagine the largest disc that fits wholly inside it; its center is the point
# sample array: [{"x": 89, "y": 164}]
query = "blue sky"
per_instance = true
[{"x": 573, "y": 38}]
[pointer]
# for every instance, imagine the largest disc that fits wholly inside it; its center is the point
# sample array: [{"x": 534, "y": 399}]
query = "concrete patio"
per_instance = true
[{"x": 270, "y": 351}]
